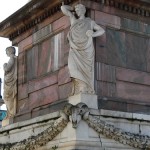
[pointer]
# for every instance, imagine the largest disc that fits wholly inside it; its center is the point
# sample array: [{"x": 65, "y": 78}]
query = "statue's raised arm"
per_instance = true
[{"x": 68, "y": 11}]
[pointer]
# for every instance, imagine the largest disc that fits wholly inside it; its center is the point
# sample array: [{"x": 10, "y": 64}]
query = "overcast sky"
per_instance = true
[{"x": 7, "y": 7}]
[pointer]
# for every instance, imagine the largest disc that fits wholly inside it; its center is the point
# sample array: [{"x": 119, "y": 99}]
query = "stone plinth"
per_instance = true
[{"x": 89, "y": 99}]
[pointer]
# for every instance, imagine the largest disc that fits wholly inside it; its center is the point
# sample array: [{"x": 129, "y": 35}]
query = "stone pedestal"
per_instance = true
[{"x": 89, "y": 99}]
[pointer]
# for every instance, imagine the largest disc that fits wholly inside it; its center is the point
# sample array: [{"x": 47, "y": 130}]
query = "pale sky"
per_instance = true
[{"x": 7, "y": 7}]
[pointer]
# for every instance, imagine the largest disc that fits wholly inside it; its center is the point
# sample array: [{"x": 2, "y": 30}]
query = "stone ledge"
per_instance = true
[
  {"x": 124, "y": 115},
  {"x": 30, "y": 122},
  {"x": 102, "y": 112}
]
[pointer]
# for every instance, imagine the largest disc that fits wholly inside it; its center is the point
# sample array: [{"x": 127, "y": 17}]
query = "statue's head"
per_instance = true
[
  {"x": 10, "y": 50},
  {"x": 80, "y": 9}
]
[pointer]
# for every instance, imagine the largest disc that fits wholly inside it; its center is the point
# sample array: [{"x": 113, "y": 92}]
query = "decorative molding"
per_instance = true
[
  {"x": 110, "y": 131},
  {"x": 102, "y": 127},
  {"x": 118, "y": 4},
  {"x": 76, "y": 113},
  {"x": 128, "y": 6},
  {"x": 38, "y": 19},
  {"x": 41, "y": 139}
]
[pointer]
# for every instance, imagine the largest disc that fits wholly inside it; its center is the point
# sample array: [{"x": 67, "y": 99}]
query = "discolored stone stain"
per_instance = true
[
  {"x": 116, "y": 48},
  {"x": 44, "y": 57},
  {"x": 44, "y": 96},
  {"x": 134, "y": 25},
  {"x": 139, "y": 79},
  {"x": 136, "y": 52},
  {"x": 63, "y": 76},
  {"x": 133, "y": 91}
]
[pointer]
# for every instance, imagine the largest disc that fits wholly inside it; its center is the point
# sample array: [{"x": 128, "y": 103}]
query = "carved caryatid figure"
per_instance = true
[
  {"x": 81, "y": 54},
  {"x": 10, "y": 82}
]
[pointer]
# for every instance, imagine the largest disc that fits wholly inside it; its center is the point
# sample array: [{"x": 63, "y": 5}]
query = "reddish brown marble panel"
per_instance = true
[
  {"x": 138, "y": 108},
  {"x": 133, "y": 91},
  {"x": 65, "y": 90},
  {"x": 22, "y": 91},
  {"x": 63, "y": 23},
  {"x": 43, "y": 96},
  {"x": 136, "y": 47},
  {"x": 50, "y": 20},
  {"x": 61, "y": 50},
  {"x": 135, "y": 25},
  {"x": 107, "y": 19},
  {"x": 57, "y": 54},
  {"x": 63, "y": 76},
  {"x": 42, "y": 83},
  {"x": 52, "y": 52},
  {"x": 21, "y": 68},
  {"x": 23, "y": 105},
  {"x": 24, "y": 44},
  {"x": 22, "y": 36},
  {"x": 66, "y": 42},
  {"x": 101, "y": 48},
  {"x": 148, "y": 56},
  {"x": 133, "y": 76},
  {"x": 116, "y": 49},
  {"x": 32, "y": 63},
  {"x": 105, "y": 89},
  {"x": 66, "y": 46},
  {"x": 105, "y": 72},
  {"x": 112, "y": 105},
  {"x": 45, "y": 62}
]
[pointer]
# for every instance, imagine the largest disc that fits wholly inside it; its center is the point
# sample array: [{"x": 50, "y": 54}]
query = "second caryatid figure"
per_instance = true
[
  {"x": 10, "y": 82},
  {"x": 82, "y": 53}
]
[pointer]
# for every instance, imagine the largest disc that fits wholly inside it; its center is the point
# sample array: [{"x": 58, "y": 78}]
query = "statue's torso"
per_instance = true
[{"x": 77, "y": 35}]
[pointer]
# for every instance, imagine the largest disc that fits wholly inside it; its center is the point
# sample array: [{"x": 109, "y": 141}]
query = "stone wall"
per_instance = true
[
  {"x": 122, "y": 58},
  {"x": 43, "y": 72},
  {"x": 121, "y": 63}
]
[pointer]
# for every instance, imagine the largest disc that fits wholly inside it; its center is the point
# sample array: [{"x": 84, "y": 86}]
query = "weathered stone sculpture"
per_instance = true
[
  {"x": 10, "y": 82},
  {"x": 81, "y": 55}
]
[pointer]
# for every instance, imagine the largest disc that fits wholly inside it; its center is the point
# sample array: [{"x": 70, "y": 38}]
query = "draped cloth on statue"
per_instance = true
[
  {"x": 10, "y": 87},
  {"x": 81, "y": 54}
]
